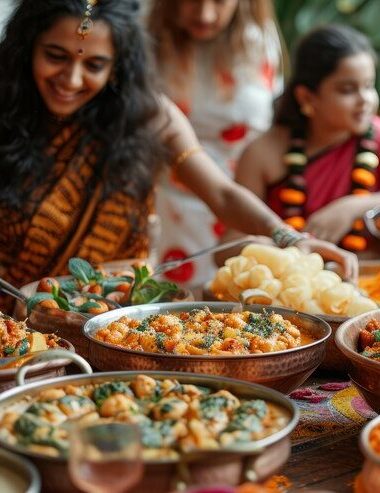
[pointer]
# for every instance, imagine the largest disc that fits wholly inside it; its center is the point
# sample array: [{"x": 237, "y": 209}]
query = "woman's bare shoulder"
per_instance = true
[{"x": 268, "y": 147}]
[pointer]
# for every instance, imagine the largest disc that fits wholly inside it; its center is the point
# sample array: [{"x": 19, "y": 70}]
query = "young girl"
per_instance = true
[
  {"x": 317, "y": 167},
  {"x": 220, "y": 63},
  {"x": 82, "y": 137}
]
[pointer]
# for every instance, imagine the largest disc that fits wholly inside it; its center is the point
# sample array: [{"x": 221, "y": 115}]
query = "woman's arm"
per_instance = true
[{"x": 234, "y": 204}]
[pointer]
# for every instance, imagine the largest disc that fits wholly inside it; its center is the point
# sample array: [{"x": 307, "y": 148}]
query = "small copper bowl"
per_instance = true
[
  {"x": 364, "y": 372},
  {"x": 370, "y": 475},
  {"x": 282, "y": 370}
]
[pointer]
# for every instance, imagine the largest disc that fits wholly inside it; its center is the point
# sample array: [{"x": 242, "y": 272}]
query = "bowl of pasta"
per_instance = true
[
  {"x": 278, "y": 348},
  {"x": 359, "y": 340},
  {"x": 195, "y": 429},
  {"x": 290, "y": 278}
]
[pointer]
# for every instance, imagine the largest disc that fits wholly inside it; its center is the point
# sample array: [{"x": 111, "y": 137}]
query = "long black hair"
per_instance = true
[
  {"x": 117, "y": 117},
  {"x": 317, "y": 56}
]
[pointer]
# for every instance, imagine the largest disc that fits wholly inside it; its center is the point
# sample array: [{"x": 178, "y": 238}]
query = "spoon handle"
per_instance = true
[{"x": 12, "y": 290}]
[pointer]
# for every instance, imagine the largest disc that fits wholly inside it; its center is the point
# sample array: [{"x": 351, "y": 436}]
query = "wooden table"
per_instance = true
[{"x": 330, "y": 468}]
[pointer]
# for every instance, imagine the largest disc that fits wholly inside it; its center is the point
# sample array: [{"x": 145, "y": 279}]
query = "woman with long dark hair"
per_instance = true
[
  {"x": 82, "y": 138},
  {"x": 318, "y": 166}
]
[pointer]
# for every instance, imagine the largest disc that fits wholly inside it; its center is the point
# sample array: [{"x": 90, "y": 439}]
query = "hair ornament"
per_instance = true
[{"x": 86, "y": 23}]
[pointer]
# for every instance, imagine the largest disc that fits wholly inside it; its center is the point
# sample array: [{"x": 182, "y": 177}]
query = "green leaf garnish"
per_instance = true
[
  {"x": 82, "y": 270},
  {"x": 37, "y": 298}
]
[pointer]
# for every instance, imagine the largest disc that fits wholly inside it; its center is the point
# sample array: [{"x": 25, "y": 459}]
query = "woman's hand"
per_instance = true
[
  {"x": 348, "y": 260},
  {"x": 334, "y": 221}
]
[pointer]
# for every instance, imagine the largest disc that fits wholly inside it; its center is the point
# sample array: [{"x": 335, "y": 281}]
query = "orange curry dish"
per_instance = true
[{"x": 201, "y": 331}]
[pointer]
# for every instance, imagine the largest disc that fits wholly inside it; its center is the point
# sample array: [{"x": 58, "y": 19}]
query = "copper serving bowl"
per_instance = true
[
  {"x": 40, "y": 370},
  {"x": 64, "y": 323},
  {"x": 364, "y": 372},
  {"x": 282, "y": 370},
  {"x": 256, "y": 462}
]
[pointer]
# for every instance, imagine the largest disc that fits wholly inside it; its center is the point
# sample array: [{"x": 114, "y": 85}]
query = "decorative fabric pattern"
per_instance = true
[
  {"x": 363, "y": 179},
  {"x": 68, "y": 216}
]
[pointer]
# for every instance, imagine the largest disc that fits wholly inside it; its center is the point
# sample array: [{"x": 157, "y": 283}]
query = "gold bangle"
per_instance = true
[{"x": 181, "y": 158}]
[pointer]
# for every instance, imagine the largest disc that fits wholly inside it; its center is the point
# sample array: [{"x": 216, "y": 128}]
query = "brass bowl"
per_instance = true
[
  {"x": 67, "y": 325},
  {"x": 38, "y": 371},
  {"x": 364, "y": 372},
  {"x": 231, "y": 467},
  {"x": 370, "y": 473},
  {"x": 282, "y": 370}
]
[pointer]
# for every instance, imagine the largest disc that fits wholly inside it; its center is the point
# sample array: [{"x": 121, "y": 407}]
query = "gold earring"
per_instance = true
[{"x": 307, "y": 110}]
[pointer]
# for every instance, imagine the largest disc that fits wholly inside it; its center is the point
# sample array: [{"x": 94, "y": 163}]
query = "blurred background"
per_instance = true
[{"x": 295, "y": 17}]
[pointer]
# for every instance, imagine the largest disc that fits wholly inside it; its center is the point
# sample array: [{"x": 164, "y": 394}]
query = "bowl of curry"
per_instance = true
[
  {"x": 195, "y": 429},
  {"x": 275, "y": 347}
]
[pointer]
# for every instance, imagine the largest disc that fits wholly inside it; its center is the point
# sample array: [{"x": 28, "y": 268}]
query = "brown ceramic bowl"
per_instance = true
[
  {"x": 256, "y": 461},
  {"x": 364, "y": 372},
  {"x": 68, "y": 325},
  {"x": 282, "y": 370}
]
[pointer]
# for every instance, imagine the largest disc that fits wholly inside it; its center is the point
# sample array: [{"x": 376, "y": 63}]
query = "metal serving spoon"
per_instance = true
[{"x": 173, "y": 264}]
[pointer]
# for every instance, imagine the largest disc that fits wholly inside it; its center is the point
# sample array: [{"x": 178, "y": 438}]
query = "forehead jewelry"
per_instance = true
[{"x": 86, "y": 23}]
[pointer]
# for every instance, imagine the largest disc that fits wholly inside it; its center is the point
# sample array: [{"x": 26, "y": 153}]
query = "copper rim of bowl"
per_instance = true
[
  {"x": 351, "y": 353},
  {"x": 89, "y": 332},
  {"x": 20, "y": 393},
  {"x": 364, "y": 440}
]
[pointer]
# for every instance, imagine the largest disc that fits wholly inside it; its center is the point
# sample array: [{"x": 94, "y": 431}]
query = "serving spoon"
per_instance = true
[{"x": 173, "y": 264}]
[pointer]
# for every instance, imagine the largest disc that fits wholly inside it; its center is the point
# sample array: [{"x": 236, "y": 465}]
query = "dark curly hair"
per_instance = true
[
  {"x": 117, "y": 118},
  {"x": 317, "y": 56}
]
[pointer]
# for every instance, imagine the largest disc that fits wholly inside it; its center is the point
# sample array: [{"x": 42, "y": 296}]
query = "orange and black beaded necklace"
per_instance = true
[{"x": 294, "y": 194}]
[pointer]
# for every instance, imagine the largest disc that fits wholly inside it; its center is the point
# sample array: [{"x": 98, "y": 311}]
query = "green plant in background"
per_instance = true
[{"x": 296, "y": 17}]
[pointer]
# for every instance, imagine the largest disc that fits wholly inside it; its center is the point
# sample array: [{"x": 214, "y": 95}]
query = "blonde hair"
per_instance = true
[{"x": 172, "y": 42}]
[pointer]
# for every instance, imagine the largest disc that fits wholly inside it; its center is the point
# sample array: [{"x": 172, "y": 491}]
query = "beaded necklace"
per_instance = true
[{"x": 294, "y": 195}]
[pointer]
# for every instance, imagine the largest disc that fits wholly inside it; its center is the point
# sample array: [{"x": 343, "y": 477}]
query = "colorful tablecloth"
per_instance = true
[{"x": 329, "y": 412}]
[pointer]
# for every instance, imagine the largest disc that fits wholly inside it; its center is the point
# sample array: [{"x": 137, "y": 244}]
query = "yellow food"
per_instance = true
[
  {"x": 203, "y": 332},
  {"x": 293, "y": 279}
]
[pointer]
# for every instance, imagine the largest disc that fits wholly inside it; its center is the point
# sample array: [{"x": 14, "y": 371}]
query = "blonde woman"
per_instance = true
[{"x": 220, "y": 62}]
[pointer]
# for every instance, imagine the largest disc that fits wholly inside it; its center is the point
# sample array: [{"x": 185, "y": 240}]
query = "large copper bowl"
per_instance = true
[
  {"x": 67, "y": 325},
  {"x": 256, "y": 462},
  {"x": 282, "y": 370},
  {"x": 364, "y": 372}
]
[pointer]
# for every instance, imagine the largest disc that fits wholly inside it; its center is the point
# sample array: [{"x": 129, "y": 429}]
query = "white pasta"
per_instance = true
[
  {"x": 359, "y": 305},
  {"x": 335, "y": 300},
  {"x": 290, "y": 278}
]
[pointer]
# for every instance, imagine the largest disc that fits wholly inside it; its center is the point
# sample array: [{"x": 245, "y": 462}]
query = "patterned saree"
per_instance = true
[{"x": 68, "y": 216}]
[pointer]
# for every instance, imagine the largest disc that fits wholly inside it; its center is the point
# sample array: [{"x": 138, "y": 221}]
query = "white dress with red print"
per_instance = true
[{"x": 226, "y": 110}]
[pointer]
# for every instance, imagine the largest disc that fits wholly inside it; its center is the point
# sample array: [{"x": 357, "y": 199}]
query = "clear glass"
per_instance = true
[{"x": 105, "y": 457}]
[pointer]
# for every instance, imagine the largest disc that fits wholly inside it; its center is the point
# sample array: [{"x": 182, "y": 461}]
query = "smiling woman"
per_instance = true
[
  {"x": 83, "y": 135},
  {"x": 70, "y": 71}
]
